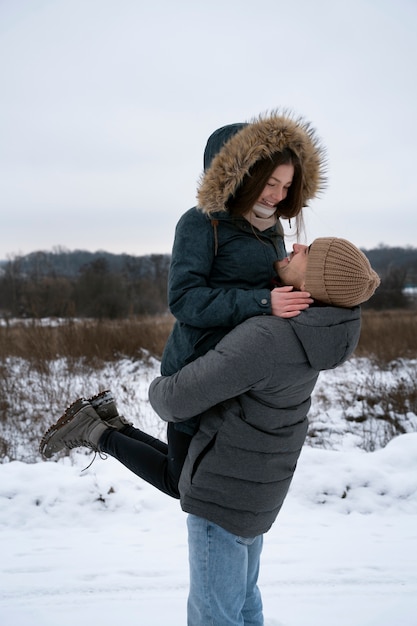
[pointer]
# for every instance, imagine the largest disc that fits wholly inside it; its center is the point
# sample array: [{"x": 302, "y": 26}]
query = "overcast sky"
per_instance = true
[{"x": 106, "y": 106}]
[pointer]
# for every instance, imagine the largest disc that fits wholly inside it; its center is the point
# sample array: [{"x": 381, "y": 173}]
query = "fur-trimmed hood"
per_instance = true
[{"x": 232, "y": 150}]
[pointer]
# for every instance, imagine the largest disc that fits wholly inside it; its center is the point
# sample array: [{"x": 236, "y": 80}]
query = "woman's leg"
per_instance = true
[
  {"x": 140, "y": 435},
  {"x": 158, "y": 463}
]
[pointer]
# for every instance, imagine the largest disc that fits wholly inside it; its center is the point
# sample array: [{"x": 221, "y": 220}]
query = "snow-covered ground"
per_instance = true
[{"x": 100, "y": 546}]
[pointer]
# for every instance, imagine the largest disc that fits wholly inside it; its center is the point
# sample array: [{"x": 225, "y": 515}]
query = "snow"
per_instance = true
[{"x": 98, "y": 545}]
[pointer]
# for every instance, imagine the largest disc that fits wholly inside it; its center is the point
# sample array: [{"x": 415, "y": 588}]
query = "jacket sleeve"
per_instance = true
[
  {"x": 191, "y": 299},
  {"x": 236, "y": 364}
]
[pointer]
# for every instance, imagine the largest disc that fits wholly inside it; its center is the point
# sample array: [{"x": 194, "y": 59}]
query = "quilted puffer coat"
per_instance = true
[{"x": 253, "y": 395}]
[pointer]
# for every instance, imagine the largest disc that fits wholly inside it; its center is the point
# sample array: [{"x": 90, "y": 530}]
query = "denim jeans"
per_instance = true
[{"x": 224, "y": 571}]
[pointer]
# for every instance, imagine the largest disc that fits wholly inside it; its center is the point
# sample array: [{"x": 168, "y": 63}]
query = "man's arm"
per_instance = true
[{"x": 238, "y": 362}]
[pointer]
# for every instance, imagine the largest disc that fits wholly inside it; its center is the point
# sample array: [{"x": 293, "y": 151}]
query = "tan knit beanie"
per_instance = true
[{"x": 338, "y": 273}]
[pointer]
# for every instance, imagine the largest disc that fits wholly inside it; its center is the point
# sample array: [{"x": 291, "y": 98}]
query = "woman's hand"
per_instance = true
[{"x": 285, "y": 302}]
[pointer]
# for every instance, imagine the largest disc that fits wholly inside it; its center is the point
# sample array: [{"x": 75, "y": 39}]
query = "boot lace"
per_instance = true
[{"x": 76, "y": 443}]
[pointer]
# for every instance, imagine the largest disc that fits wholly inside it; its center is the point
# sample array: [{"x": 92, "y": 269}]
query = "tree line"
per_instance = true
[
  {"x": 83, "y": 284},
  {"x": 102, "y": 285},
  {"x": 397, "y": 268}
]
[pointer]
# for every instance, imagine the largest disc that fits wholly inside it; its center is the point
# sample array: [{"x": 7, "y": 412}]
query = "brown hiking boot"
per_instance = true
[
  {"x": 79, "y": 426},
  {"x": 105, "y": 405}
]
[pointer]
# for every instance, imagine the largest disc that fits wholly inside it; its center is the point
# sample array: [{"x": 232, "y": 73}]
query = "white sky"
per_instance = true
[{"x": 106, "y": 106}]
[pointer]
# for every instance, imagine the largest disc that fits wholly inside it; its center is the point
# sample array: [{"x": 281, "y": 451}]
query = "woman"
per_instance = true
[
  {"x": 222, "y": 270},
  {"x": 224, "y": 249}
]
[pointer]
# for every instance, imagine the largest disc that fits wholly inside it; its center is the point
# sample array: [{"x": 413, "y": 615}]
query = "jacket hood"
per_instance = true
[
  {"x": 232, "y": 150},
  {"x": 329, "y": 335}
]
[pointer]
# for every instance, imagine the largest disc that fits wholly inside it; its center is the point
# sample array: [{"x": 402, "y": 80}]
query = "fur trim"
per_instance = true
[{"x": 262, "y": 137}]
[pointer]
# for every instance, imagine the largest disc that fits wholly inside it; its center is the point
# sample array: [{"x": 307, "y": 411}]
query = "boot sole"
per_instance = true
[{"x": 67, "y": 417}]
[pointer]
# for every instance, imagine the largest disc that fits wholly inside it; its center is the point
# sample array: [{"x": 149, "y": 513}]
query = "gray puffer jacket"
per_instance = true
[{"x": 253, "y": 392}]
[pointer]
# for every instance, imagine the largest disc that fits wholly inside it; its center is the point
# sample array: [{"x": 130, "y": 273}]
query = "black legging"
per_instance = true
[{"x": 158, "y": 463}]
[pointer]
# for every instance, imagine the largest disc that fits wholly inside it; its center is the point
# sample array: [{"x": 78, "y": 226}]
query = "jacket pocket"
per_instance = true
[{"x": 199, "y": 458}]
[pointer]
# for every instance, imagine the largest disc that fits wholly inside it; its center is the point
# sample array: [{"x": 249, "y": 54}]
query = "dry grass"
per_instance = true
[
  {"x": 92, "y": 340},
  {"x": 388, "y": 335},
  {"x": 34, "y": 390},
  {"x": 385, "y": 336},
  {"x": 40, "y": 365}
]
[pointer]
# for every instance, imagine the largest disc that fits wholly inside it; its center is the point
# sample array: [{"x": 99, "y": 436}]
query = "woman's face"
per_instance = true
[
  {"x": 292, "y": 270},
  {"x": 276, "y": 188}
]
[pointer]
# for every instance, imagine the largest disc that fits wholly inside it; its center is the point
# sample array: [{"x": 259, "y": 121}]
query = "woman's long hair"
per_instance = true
[{"x": 256, "y": 180}]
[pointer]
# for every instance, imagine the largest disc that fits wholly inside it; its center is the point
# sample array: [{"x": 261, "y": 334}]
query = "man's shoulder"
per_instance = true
[
  {"x": 267, "y": 322},
  {"x": 263, "y": 330}
]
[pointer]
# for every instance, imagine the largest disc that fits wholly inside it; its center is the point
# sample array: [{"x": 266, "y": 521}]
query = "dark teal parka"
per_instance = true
[
  {"x": 221, "y": 274},
  {"x": 222, "y": 267}
]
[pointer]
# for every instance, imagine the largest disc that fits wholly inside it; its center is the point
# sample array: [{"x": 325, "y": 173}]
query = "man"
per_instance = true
[{"x": 252, "y": 394}]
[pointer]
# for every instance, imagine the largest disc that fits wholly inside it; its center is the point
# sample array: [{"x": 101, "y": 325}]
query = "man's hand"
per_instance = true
[{"x": 286, "y": 302}]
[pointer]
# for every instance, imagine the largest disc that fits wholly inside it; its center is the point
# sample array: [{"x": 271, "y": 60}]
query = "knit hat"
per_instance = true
[{"x": 338, "y": 273}]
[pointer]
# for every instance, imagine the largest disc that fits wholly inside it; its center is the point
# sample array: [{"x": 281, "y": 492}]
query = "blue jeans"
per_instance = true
[{"x": 224, "y": 571}]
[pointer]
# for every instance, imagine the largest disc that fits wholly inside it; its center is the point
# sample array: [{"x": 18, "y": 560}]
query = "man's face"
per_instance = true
[{"x": 292, "y": 270}]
